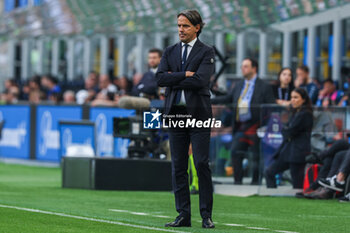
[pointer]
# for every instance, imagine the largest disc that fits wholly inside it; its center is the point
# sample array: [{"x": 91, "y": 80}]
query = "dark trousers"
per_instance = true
[
  {"x": 327, "y": 157},
  {"x": 345, "y": 167},
  {"x": 180, "y": 138},
  {"x": 241, "y": 142},
  {"x": 278, "y": 166},
  {"x": 337, "y": 162}
]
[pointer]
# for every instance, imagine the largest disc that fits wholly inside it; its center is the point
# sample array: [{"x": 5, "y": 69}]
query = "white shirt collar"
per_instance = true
[
  {"x": 154, "y": 70},
  {"x": 191, "y": 44}
]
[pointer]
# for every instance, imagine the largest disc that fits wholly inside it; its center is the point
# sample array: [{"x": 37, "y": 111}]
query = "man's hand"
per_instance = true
[{"x": 189, "y": 73}]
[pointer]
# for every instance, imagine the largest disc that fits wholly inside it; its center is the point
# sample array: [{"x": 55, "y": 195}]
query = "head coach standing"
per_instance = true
[{"x": 185, "y": 70}]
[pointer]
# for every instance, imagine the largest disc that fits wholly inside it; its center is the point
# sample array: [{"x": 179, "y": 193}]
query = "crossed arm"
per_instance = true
[{"x": 186, "y": 79}]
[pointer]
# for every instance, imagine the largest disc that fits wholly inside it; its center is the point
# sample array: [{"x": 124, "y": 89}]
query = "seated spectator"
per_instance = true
[
  {"x": 88, "y": 94},
  {"x": 304, "y": 81},
  {"x": 124, "y": 85},
  {"x": 283, "y": 89},
  {"x": 325, "y": 158},
  {"x": 329, "y": 96},
  {"x": 12, "y": 95},
  {"x": 335, "y": 180},
  {"x": 106, "y": 85},
  {"x": 69, "y": 97},
  {"x": 296, "y": 143},
  {"x": 50, "y": 84},
  {"x": 36, "y": 96},
  {"x": 147, "y": 86},
  {"x": 10, "y": 83},
  {"x": 94, "y": 77}
]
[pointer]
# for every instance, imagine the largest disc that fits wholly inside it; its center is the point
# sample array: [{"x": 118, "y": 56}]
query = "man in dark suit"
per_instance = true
[
  {"x": 246, "y": 96},
  {"x": 147, "y": 87},
  {"x": 185, "y": 70}
]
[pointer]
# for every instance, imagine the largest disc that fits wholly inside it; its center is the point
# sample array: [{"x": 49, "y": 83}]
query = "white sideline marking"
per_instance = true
[
  {"x": 226, "y": 224},
  {"x": 139, "y": 213},
  {"x": 122, "y": 211},
  {"x": 89, "y": 219},
  {"x": 161, "y": 216},
  {"x": 287, "y": 231},
  {"x": 234, "y": 225},
  {"x": 258, "y": 228}
]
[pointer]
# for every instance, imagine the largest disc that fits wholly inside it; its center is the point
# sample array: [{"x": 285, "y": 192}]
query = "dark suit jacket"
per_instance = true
[
  {"x": 296, "y": 138},
  {"x": 147, "y": 85},
  {"x": 262, "y": 95},
  {"x": 196, "y": 88}
]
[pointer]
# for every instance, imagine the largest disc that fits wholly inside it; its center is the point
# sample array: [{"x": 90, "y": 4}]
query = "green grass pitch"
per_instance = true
[{"x": 25, "y": 189}]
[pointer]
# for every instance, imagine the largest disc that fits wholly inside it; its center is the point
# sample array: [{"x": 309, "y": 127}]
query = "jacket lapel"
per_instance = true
[
  {"x": 238, "y": 93},
  {"x": 196, "y": 47},
  {"x": 255, "y": 93},
  {"x": 178, "y": 56}
]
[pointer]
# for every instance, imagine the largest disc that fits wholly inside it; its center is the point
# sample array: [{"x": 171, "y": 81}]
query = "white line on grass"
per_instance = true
[
  {"x": 233, "y": 225},
  {"x": 258, "y": 228},
  {"x": 139, "y": 213},
  {"x": 89, "y": 219},
  {"x": 287, "y": 232}
]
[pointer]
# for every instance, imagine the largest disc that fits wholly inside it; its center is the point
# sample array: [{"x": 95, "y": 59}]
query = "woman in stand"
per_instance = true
[
  {"x": 282, "y": 91},
  {"x": 296, "y": 142}
]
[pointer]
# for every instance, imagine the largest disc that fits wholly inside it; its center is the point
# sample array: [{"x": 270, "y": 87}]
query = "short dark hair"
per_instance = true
[
  {"x": 194, "y": 17},
  {"x": 155, "y": 50},
  {"x": 51, "y": 78},
  {"x": 304, "y": 68},
  {"x": 253, "y": 62},
  {"x": 328, "y": 80}
]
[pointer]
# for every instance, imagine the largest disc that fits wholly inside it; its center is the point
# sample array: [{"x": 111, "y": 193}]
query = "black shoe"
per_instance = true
[
  {"x": 180, "y": 221},
  {"x": 332, "y": 183},
  {"x": 207, "y": 223}
]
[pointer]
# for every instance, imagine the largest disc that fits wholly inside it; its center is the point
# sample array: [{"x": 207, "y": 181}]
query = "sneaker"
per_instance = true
[
  {"x": 332, "y": 183},
  {"x": 346, "y": 198}
]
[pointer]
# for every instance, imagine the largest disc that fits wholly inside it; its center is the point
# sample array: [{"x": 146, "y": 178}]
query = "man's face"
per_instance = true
[
  {"x": 248, "y": 71},
  {"x": 153, "y": 60},
  {"x": 302, "y": 75},
  {"x": 187, "y": 31},
  {"x": 103, "y": 82}
]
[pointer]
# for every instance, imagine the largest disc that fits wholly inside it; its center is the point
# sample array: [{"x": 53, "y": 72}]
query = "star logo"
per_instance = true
[
  {"x": 156, "y": 115},
  {"x": 151, "y": 120}
]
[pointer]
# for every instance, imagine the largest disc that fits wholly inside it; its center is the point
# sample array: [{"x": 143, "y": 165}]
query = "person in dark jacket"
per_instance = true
[
  {"x": 296, "y": 142},
  {"x": 148, "y": 87}
]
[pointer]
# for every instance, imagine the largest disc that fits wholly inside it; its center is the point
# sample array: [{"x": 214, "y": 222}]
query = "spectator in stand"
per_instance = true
[
  {"x": 10, "y": 83},
  {"x": 296, "y": 143},
  {"x": 282, "y": 91},
  {"x": 303, "y": 80},
  {"x": 34, "y": 83},
  {"x": 36, "y": 96},
  {"x": 106, "y": 85},
  {"x": 88, "y": 94},
  {"x": 69, "y": 97},
  {"x": 147, "y": 86},
  {"x": 11, "y": 95},
  {"x": 329, "y": 95},
  {"x": 95, "y": 77},
  {"x": 124, "y": 85},
  {"x": 24, "y": 95},
  {"x": 50, "y": 84}
]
